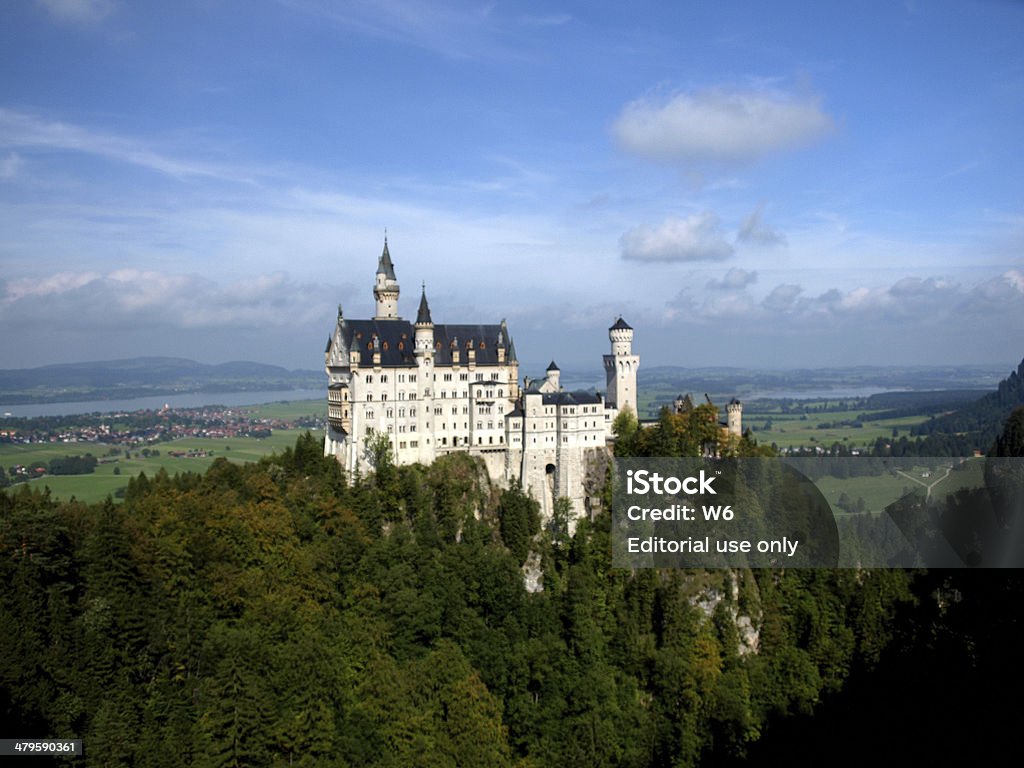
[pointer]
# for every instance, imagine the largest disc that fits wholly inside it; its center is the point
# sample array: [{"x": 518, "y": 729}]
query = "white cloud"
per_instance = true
[
  {"x": 1005, "y": 292},
  {"x": 46, "y": 286},
  {"x": 24, "y": 130},
  {"x": 735, "y": 279},
  {"x": 694, "y": 238},
  {"x": 782, "y": 298},
  {"x": 755, "y": 231},
  {"x": 77, "y": 11},
  {"x": 719, "y": 125},
  {"x": 159, "y": 299}
]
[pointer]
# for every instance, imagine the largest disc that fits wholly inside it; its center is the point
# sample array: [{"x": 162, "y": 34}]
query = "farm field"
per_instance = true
[
  {"x": 793, "y": 430},
  {"x": 878, "y": 491},
  {"x": 97, "y": 486},
  {"x": 288, "y": 410}
]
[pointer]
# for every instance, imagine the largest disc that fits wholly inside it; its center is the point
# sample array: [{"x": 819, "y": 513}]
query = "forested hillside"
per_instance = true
[
  {"x": 274, "y": 614},
  {"x": 981, "y": 421}
]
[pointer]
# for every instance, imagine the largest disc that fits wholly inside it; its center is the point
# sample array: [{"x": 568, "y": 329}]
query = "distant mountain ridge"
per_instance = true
[{"x": 142, "y": 376}]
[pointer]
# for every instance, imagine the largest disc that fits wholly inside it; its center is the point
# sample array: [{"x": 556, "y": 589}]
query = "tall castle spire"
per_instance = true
[
  {"x": 423, "y": 315},
  {"x": 385, "y": 289}
]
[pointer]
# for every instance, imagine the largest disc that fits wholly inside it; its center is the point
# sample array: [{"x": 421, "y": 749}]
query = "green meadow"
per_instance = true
[{"x": 105, "y": 481}]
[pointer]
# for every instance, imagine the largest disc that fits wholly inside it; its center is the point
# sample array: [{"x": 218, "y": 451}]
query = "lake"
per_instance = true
[{"x": 185, "y": 400}]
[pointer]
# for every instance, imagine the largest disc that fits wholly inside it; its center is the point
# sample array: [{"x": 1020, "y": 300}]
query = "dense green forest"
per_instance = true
[
  {"x": 281, "y": 614},
  {"x": 983, "y": 419}
]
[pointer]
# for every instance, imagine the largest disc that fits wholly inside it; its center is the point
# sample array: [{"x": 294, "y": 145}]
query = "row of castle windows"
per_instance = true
[
  {"x": 402, "y": 378},
  {"x": 462, "y": 377}
]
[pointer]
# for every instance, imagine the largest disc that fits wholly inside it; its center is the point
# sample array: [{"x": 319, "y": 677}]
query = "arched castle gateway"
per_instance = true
[{"x": 435, "y": 388}]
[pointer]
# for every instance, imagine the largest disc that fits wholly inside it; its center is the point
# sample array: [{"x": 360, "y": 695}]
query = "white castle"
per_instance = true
[{"x": 435, "y": 388}]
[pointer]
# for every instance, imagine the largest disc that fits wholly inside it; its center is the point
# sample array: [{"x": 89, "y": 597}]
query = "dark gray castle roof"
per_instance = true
[
  {"x": 621, "y": 324},
  {"x": 385, "y": 265},
  {"x": 396, "y": 342},
  {"x": 423, "y": 315},
  {"x": 578, "y": 397}
]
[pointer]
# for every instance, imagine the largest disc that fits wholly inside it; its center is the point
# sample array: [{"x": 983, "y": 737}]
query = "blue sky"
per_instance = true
[{"x": 749, "y": 184}]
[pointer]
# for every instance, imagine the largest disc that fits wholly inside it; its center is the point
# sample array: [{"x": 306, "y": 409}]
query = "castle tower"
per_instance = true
[
  {"x": 424, "y": 351},
  {"x": 424, "y": 327},
  {"x": 734, "y": 412},
  {"x": 552, "y": 379},
  {"x": 385, "y": 289},
  {"x": 620, "y": 367}
]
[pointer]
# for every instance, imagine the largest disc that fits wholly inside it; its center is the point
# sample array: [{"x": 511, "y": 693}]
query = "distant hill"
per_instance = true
[
  {"x": 982, "y": 420},
  {"x": 143, "y": 376}
]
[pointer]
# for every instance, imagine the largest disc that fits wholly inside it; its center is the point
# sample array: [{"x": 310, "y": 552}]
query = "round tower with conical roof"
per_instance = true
[
  {"x": 620, "y": 367},
  {"x": 385, "y": 289}
]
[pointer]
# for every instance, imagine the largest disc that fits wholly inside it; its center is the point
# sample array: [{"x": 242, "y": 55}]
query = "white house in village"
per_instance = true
[{"x": 434, "y": 388}]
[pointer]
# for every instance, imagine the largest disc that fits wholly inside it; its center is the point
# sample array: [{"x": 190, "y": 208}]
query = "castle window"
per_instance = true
[
  {"x": 369, "y": 379},
  {"x": 401, "y": 395},
  {"x": 414, "y": 443},
  {"x": 384, "y": 379},
  {"x": 412, "y": 411},
  {"x": 383, "y": 395},
  {"x": 501, "y": 393},
  {"x": 369, "y": 396},
  {"x": 369, "y": 414},
  {"x": 483, "y": 345},
  {"x": 455, "y": 410},
  {"x": 401, "y": 345},
  {"x": 401, "y": 376},
  {"x": 401, "y": 413},
  {"x": 463, "y": 377},
  {"x": 437, "y": 411},
  {"x": 385, "y": 346},
  {"x": 391, "y": 413},
  {"x": 447, "y": 377},
  {"x": 412, "y": 378}
]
